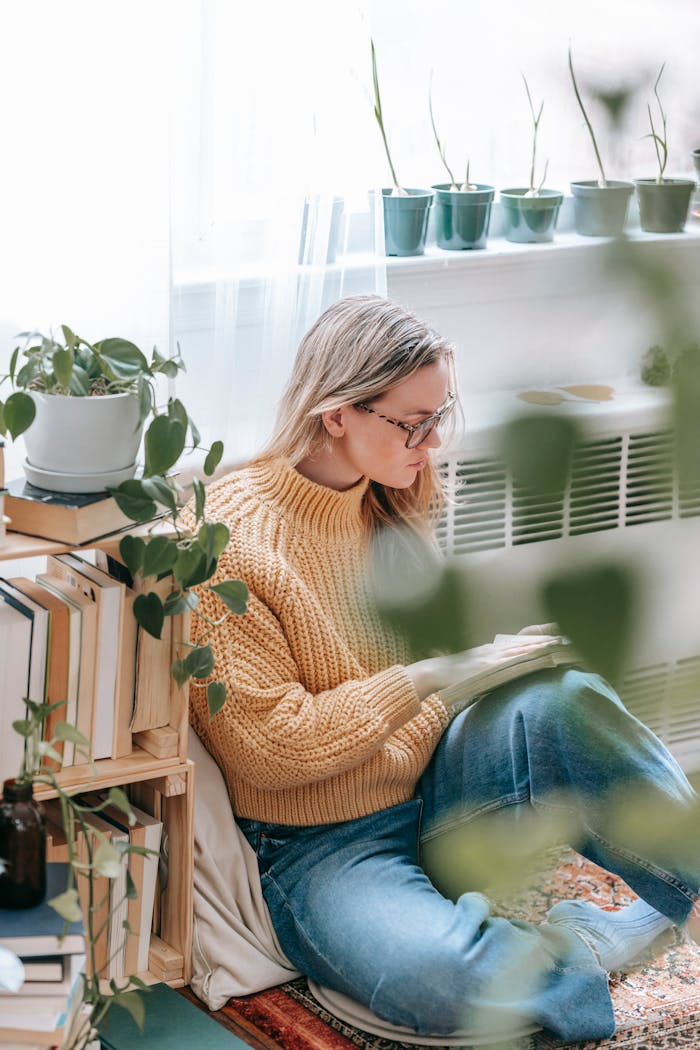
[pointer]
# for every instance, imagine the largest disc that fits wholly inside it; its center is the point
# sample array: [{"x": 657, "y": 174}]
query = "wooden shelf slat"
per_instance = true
[{"x": 111, "y": 772}]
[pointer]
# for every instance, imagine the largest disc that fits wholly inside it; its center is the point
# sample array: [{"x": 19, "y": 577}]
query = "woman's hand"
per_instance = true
[{"x": 438, "y": 672}]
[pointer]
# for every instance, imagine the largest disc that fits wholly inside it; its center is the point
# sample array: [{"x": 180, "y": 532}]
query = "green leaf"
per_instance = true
[
  {"x": 199, "y": 662},
  {"x": 145, "y": 396},
  {"x": 191, "y": 567},
  {"x": 24, "y": 727},
  {"x": 19, "y": 413},
  {"x": 132, "y": 550},
  {"x": 164, "y": 442},
  {"x": 106, "y": 860},
  {"x": 62, "y": 362},
  {"x": 133, "y": 1003},
  {"x": 131, "y": 893},
  {"x": 45, "y": 749},
  {"x": 121, "y": 359},
  {"x": 3, "y": 426},
  {"x": 159, "y": 556},
  {"x": 199, "y": 498},
  {"x": 179, "y": 672},
  {"x": 216, "y": 698},
  {"x": 159, "y": 490},
  {"x": 117, "y": 797},
  {"x": 65, "y": 731},
  {"x": 69, "y": 337},
  {"x": 212, "y": 538},
  {"x": 67, "y": 905},
  {"x": 28, "y": 373},
  {"x": 234, "y": 595},
  {"x": 594, "y": 608},
  {"x": 133, "y": 501},
  {"x": 179, "y": 602},
  {"x": 213, "y": 457},
  {"x": 13, "y": 364},
  {"x": 196, "y": 436},
  {"x": 148, "y": 610},
  {"x": 177, "y": 411},
  {"x": 79, "y": 381},
  {"x": 538, "y": 448}
]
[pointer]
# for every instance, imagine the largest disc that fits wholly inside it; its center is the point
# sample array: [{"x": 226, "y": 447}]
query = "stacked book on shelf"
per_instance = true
[
  {"x": 118, "y": 950},
  {"x": 69, "y": 634},
  {"x": 48, "y": 1008}
]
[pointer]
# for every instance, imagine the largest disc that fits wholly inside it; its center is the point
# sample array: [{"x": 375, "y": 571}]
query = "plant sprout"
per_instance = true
[
  {"x": 454, "y": 188},
  {"x": 397, "y": 191},
  {"x": 602, "y": 181},
  {"x": 660, "y": 144},
  {"x": 532, "y": 192}
]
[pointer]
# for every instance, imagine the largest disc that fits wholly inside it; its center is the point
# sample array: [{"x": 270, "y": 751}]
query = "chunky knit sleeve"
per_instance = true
[{"x": 276, "y": 732}]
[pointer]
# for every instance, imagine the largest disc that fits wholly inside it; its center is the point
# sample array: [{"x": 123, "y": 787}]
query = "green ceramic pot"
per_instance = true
[
  {"x": 462, "y": 216},
  {"x": 663, "y": 206},
  {"x": 406, "y": 221},
  {"x": 601, "y": 211},
  {"x": 529, "y": 220}
]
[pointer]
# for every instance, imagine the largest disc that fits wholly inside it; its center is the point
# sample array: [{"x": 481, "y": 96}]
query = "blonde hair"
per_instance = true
[{"x": 360, "y": 347}]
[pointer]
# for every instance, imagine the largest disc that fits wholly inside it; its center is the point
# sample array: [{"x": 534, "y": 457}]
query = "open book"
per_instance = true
[{"x": 540, "y": 652}]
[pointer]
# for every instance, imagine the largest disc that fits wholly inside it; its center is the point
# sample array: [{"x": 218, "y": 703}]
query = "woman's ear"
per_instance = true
[{"x": 334, "y": 421}]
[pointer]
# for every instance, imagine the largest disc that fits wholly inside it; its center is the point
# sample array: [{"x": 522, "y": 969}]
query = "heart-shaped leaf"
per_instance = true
[
  {"x": 176, "y": 410},
  {"x": 19, "y": 413},
  {"x": 67, "y": 905},
  {"x": 132, "y": 1002},
  {"x": 79, "y": 381},
  {"x": 106, "y": 860},
  {"x": 213, "y": 457},
  {"x": 199, "y": 662},
  {"x": 234, "y": 595},
  {"x": 65, "y": 731},
  {"x": 160, "y": 556},
  {"x": 62, "y": 361},
  {"x": 145, "y": 396},
  {"x": 594, "y": 608},
  {"x": 118, "y": 798},
  {"x": 539, "y": 449},
  {"x": 199, "y": 498},
  {"x": 164, "y": 442},
  {"x": 216, "y": 698},
  {"x": 179, "y": 602},
  {"x": 133, "y": 501},
  {"x": 159, "y": 490},
  {"x": 148, "y": 610},
  {"x": 179, "y": 672},
  {"x": 121, "y": 359},
  {"x": 132, "y": 549},
  {"x": 212, "y": 539}
]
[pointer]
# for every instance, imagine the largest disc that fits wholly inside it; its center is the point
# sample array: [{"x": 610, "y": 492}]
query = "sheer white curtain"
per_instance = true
[
  {"x": 84, "y": 218},
  {"x": 272, "y": 219}
]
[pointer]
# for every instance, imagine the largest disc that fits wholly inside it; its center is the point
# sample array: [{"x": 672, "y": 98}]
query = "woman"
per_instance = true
[{"x": 340, "y": 758}]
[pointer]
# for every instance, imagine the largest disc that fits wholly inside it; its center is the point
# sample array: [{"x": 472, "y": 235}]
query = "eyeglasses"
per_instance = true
[{"x": 419, "y": 432}]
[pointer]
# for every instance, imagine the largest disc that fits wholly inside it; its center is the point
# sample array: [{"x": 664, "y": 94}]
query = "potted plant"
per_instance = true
[
  {"x": 695, "y": 203},
  {"x": 462, "y": 211},
  {"x": 530, "y": 213},
  {"x": 663, "y": 202},
  {"x": 406, "y": 211},
  {"x": 600, "y": 206},
  {"x": 96, "y": 396}
]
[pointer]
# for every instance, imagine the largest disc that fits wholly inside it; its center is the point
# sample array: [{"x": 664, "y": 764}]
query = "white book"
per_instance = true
[
  {"x": 38, "y": 664},
  {"x": 88, "y": 640},
  {"x": 15, "y": 647},
  {"x": 108, "y": 596},
  {"x": 71, "y": 967}
]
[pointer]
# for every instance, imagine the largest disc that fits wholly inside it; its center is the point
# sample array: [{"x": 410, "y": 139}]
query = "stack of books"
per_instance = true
[
  {"x": 119, "y": 951},
  {"x": 49, "y": 1006},
  {"x": 70, "y": 635}
]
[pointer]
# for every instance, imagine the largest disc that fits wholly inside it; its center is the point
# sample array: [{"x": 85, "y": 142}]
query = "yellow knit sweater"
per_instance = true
[{"x": 321, "y": 722}]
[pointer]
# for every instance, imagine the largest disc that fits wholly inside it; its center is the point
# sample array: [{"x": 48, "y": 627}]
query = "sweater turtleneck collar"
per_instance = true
[{"x": 330, "y": 512}]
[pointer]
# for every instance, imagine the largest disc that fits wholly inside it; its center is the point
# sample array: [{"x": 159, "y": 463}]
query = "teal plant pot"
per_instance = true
[
  {"x": 601, "y": 211},
  {"x": 462, "y": 216},
  {"x": 406, "y": 221},
  {"x": 663, "y": 206},
  {"x": 530, "y": 220}
]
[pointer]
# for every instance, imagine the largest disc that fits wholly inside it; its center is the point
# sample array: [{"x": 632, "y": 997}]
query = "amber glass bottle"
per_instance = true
[{"x": 22, "y": 847}]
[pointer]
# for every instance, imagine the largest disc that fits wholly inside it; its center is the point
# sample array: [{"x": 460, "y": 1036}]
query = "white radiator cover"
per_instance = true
[{"x": 623, "y": 503}]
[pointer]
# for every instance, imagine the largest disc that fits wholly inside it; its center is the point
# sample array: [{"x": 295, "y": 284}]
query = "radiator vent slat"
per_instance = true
[{"x": 617, "y": 482}]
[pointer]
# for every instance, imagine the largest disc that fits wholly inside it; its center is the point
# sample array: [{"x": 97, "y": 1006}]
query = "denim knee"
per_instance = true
[{"x": 569, "y": 701}]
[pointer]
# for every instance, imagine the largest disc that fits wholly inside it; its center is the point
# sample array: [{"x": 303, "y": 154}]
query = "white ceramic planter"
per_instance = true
[{"x": 86, "y": 438}]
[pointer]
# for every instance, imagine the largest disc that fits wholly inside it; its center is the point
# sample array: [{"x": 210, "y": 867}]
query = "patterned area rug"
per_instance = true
[{"x": 657, "y": 1006}]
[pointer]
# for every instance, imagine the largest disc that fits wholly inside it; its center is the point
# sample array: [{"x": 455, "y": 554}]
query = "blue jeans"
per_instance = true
[{"x": 354, "y": 909}]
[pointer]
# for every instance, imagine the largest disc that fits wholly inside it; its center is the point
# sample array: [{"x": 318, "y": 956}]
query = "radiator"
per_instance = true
[{"x": 622, "y": 503}]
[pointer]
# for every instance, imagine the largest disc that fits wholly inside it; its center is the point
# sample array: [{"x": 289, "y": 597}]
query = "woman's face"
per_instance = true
[{"x": 367, "y": 444}]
